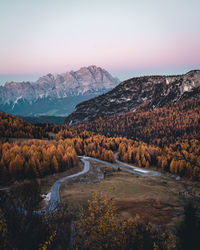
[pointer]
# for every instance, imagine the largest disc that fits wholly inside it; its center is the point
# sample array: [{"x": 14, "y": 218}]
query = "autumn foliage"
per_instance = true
[
  {"x": 100, "y": 227},
  {"x": 166, "y": 124},
  {"x": 180, "y": 158},
  {"x": 166, "y": 138},
  {"x": 13, "y": 127},
  {"x": 34, "y": 158},
  {"x": 87, "y": 143}
]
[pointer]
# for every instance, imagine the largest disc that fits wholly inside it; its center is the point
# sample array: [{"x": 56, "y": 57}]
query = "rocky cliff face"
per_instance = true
[
  {"x": 156, "y": 91},
  {"x": 61, "y": 92}
]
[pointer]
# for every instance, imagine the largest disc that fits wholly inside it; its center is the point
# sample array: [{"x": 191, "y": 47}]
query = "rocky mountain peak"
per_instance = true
[
  {"x": 87, "y": 81},
  {"x": 193, "y": 72}
]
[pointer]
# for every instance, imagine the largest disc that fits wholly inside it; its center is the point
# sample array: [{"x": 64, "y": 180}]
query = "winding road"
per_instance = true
[
  {"x": 136, "y": 170},
  {"x": 55, "y": 196}
]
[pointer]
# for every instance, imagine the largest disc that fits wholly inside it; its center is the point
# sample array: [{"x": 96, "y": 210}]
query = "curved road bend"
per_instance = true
[
  {"x": 55, "y": 196},
  {"x": 136, "y": 170},
  {"x": 141, "y": 171}
]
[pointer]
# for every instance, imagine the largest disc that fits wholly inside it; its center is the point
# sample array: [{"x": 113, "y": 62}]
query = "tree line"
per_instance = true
[
  {"x": 35, "y": 158},
  {"x": 180, "y": 158}
]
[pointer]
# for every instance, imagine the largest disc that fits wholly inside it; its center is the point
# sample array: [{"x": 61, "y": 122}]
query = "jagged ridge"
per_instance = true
[
  {"x": 156, "y": 91},
  {"x": 87, "y": 82}
]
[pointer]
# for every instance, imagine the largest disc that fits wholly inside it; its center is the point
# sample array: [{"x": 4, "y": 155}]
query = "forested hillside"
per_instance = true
[
  {"x": 159, "y": 126},
  {"x": 166, "y": 138},
  {"x": 13, "y": 127}
]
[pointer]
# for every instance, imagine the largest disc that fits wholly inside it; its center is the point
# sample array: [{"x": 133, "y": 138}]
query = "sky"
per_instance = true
[{"x": 126, "y": 37}]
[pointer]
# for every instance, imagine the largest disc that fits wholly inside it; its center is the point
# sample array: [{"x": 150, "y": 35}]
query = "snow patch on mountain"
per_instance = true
[{"x": 16, "y": 101}]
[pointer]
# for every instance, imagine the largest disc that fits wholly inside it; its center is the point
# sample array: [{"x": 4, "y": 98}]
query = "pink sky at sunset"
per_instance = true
[{"x": 124, "y": 37}]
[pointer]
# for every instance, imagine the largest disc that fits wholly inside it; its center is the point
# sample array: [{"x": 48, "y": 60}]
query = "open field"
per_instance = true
[{"x": 157, "y": 199}]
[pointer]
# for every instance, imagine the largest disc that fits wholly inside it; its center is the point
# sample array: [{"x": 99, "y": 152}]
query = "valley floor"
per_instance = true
[{"x": 158, "y": 199}]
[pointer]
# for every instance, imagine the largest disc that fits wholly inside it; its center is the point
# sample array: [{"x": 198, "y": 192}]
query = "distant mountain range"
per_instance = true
[
  {"x": 154, "y": 91},
  {"x": 55, "y": 94}
]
